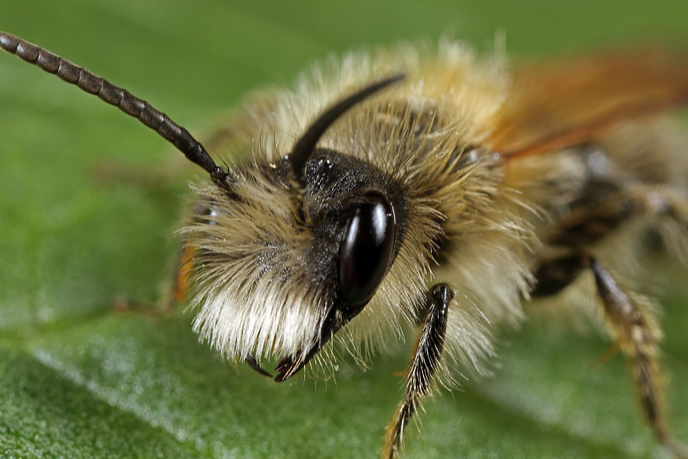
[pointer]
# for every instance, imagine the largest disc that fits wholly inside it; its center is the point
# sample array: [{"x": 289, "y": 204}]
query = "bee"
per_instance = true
[{"x": 430, "y": 189}]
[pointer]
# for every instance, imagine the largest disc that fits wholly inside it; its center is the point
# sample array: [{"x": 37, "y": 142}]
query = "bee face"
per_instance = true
[
  {"x": 307, "y": 263},
  {"x": 358, "y": 216}
]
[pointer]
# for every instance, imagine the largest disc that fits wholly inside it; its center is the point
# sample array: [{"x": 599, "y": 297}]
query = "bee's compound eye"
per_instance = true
[{"x": 366, "y": 249}]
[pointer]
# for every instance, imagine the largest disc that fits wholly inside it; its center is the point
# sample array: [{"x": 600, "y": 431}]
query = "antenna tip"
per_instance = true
[{"x": 8, "y": 42}]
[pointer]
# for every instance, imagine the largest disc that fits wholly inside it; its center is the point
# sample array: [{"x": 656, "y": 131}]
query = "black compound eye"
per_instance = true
[{"x": 366, "y": 249}]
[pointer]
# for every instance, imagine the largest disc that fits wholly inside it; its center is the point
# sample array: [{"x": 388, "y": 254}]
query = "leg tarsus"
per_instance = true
[
  {"x": 634, "y": 331},
  {"x": 424, "y": 364},
  {"x": 637, "y": 336}
]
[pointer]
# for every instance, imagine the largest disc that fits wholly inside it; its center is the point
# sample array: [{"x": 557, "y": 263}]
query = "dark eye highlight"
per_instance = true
[{"x": 366, "y": 250}]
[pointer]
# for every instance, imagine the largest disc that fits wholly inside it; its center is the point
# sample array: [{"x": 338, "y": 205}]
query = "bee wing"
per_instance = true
[{"x": 554, "y": 106}]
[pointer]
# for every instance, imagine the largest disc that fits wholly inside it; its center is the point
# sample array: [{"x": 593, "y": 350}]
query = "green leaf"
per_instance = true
[{"x": 79, "y": 379}]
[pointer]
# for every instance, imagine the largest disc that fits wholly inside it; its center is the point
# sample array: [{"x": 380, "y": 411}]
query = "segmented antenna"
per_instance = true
[
  {"x": 305, "y": 146},
  {"x": 114, "y": 95}
]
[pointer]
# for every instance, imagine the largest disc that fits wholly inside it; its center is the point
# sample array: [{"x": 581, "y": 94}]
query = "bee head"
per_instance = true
[{"x": 293, "y": 249}]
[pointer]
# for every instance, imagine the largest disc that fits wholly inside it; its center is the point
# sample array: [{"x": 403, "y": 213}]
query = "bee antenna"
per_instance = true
[
  {"x": 121, "y": 98},
  {"x": 305, "y": 146}
]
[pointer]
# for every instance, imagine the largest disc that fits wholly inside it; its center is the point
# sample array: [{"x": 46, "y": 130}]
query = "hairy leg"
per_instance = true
[
  {"x": 424, "y": 364},
  {"x": 633, "y": 329}
]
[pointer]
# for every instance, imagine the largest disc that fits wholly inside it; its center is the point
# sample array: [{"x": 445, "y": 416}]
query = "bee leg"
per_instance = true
[
  {"x": 633, "y": 329},
  {"x": 555, "y": 275},
  {"x": 182, "y": 273},
  {"x": 637, "y": 335},
  {"x": 671, "y": 208},
  {"x": 173, "y": 293},
  {"x": 425, "y": 362}
]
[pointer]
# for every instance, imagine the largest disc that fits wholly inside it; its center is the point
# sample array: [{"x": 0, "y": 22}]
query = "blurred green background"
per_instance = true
[{"x": 79, "y": 379}]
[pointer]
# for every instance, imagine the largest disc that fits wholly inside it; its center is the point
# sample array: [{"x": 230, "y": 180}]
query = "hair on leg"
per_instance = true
[{"x": 425, "y": 361}]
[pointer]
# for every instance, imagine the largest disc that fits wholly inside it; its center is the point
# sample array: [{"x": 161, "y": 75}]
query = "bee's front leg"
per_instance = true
[{"x": 424, "y": 364}]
